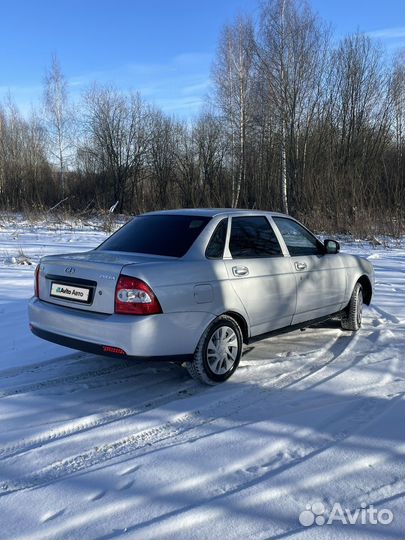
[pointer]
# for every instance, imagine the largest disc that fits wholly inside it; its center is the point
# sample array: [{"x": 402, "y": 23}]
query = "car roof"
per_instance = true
[{"x": 212, "y": 212}]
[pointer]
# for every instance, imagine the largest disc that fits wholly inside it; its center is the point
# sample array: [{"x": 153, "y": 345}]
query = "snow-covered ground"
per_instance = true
[{"x": 93, "y": 447}]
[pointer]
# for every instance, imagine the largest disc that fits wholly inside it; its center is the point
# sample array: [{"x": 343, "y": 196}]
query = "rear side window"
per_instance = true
[
  {"x": 299, "y": 241},
  {"x": 253, "y": 237},
  {"x": 168, "y": 235},
  {"x": 216, "y": 246}
]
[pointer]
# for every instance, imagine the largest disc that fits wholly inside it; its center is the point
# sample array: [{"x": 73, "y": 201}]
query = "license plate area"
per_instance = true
[{"x": 72, "y": 293}]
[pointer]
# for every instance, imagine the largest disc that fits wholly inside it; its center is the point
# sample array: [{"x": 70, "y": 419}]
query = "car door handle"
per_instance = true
[
  {"x": 300, "y": 265},
  {"x": 240, "y": 270}
]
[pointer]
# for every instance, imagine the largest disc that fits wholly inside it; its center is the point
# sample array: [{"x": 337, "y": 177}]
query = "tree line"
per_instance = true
[{"x": 295, "y": 122}]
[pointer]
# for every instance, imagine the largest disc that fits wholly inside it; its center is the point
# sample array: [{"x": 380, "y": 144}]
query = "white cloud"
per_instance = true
[
  {"x": 388, "y": 33},
  {"x": 178, "y": 85}
]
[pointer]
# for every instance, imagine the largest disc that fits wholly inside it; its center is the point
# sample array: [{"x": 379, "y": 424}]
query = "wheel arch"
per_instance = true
[
  {"x": 367, "y": 288},
  {"x": 241, "y": 322}
]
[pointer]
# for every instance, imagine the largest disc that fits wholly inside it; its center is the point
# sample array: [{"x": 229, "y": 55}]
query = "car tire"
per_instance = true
[
  {"x": 351, "y": 316},
  {"x": 218, "y": 352}
]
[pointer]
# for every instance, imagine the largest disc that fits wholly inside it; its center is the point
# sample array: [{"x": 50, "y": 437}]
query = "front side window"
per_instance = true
[
  {"x": 253, "y": 237},
  {"x": 159, "y": 234},
  {"x": 298, "y": 240},
  {"x": 216, "y": 246}
]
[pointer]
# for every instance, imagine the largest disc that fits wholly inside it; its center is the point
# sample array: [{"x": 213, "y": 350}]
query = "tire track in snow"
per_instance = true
[
  {"x": 174, "y": 427},
  {"x": 80, "y": 377},
  {"x": 75, "y": 361},
  {"x": 38, "y": 367},
  {"x": 66, "y": 380},
  {"x": 96, "y": 420},
  {"x": 99, "y": 419},
  {"x": 98, "y": 455},
  {"x": 386, "y": 315},
  {"x": 366, "y": 411}
]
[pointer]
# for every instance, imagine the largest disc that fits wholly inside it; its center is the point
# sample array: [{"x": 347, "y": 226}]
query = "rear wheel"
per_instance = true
[
  {"x": 218, "y": 352},
  {"x": 352, "y": 315}
]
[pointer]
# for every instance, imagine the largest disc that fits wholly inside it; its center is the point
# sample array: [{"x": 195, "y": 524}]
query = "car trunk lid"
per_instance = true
[{"x": 85, "y": 281}]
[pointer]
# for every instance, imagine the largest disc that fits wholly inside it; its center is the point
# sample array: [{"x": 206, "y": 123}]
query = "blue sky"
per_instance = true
[{"x": 163, "y": 48}]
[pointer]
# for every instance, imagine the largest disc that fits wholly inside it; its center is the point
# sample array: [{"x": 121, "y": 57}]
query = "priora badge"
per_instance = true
[
  {"x": 106, "y": 276},
  {"x": 70, "y": 270}
]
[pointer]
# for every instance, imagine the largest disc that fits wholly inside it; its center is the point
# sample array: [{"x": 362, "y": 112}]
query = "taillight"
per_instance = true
[
  {"x": 134, "y": 297},
  {"x": 36, "y": 281}
]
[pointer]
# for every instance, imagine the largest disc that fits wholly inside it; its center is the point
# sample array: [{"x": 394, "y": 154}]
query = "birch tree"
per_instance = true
[
  {"x": 59, "y": 119},
  {"x": 233, "y": 76},
  {"x": 397, "y": 100},
  {"x": 291, "y": 50}
]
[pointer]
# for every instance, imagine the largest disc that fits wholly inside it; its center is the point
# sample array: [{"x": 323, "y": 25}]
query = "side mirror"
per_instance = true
[{"x": 331, "y": 246}]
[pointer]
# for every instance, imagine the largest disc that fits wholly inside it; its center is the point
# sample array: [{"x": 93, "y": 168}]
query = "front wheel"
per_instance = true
[
  {"x": 218, "y": 352},
  {"x": 352, "y": 315}
]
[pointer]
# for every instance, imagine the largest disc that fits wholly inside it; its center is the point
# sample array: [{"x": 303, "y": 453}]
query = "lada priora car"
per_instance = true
[{"x": 192, "y": 286}]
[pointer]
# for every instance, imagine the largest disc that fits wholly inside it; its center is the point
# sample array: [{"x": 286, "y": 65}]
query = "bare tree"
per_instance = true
[
  {"x": 359, "y": 110},
  {"x": 397, "y": 102},
  {"x": 162, "y": 156},
  {"x": 187, "y": 175},
  {"x": 208, "y": 138},
  {"x": 59, "y": 118},
  {"x": 296, "y": 123},
  {"x": 117, "y": 138},
  {"x": 25, "y": 178},
  {"x": 292, "y": 47},
  {"x": 233, "y": 76}
]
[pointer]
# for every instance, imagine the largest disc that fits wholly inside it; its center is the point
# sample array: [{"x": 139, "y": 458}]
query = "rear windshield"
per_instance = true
[{"x": 168, "y": 235}]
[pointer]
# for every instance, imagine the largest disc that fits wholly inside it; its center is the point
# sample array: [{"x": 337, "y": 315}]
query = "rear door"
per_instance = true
[
  {"x": 321, "y": 278},
  {"x": 260, "y": 275}
]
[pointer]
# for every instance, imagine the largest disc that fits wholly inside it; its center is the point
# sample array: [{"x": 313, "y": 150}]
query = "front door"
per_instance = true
[{"x": 321, "y": 278}]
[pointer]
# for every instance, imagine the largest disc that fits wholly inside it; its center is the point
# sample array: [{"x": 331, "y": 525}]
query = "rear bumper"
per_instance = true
[
  {"x": 164, "y": 336},
  {"x": 95, "y": 348}
]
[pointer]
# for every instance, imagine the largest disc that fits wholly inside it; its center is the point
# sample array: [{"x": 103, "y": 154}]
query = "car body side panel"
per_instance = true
[
  {"x": 178, "y": 288},
  {"x": 175, "y": 283},
  {"x": 356, "y": 267}
]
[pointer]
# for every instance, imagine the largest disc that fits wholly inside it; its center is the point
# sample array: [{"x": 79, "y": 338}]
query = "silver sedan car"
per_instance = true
[{"x": 192, "y": 286}]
